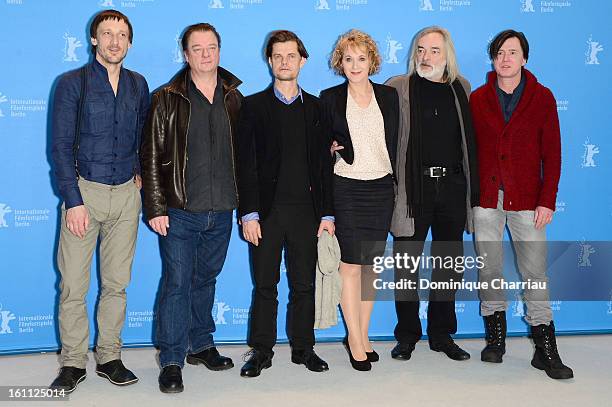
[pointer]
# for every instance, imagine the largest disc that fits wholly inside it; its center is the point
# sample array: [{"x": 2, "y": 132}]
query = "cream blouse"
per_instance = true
[{"x": 367, "y": 130}]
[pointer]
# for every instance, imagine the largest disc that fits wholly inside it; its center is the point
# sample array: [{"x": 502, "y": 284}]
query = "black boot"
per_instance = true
[
  {"x": 546, "y": 356},
  {"x": 495, "y": 326}
]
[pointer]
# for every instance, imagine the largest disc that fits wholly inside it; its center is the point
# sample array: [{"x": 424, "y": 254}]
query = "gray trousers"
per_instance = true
[
  {"x": 113, "y": 217},
  {"x": 530, "y": 246}
]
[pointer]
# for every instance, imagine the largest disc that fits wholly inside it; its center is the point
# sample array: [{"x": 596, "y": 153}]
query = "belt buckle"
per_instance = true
[{"x": 432, "y": 173}]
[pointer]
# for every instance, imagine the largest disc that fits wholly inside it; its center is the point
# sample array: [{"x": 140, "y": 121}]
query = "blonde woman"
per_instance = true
[{"x": 363, "y": 118}]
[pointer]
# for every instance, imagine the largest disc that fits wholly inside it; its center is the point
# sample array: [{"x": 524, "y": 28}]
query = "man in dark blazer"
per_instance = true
[{"x": 284, "y": 186}]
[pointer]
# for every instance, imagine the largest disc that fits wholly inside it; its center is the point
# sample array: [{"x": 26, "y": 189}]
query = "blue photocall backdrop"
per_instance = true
[{"x": 41, "y": 39}]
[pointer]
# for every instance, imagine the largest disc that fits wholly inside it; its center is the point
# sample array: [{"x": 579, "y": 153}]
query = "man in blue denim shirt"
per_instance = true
[{"x": 98, "y": 175}]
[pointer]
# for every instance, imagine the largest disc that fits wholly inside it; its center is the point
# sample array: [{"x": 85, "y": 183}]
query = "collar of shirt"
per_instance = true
[
  {"x": 509, "y": 101},
  {"x": 102, "y": 83},
  {"x": 218, "y": 94},
  {"x": 98, "y": 67},
  {"x": 286, "y": 101}
]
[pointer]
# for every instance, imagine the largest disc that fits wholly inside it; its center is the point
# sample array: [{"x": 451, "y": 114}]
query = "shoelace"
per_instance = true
[
  {"x": 550, "y": 347},
  {"x": 498, "y": 337},
  {"x": 248, "y": 354}
]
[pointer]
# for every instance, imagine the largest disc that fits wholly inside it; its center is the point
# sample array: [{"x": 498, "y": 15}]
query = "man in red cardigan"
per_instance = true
[{"x": 519, "y": 156}]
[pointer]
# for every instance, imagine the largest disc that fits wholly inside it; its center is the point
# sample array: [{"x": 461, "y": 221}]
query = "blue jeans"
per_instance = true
[{"x": 192, "y": 255}]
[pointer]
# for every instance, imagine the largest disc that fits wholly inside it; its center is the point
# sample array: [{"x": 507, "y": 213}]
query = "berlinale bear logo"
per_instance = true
[
  {"x": 5, "y": 318},
  {"x": 593, "y": 48},
  {"x": 72, "y": 43},
  {"x": 392, "y": 47},
  {"x": 4, "y": 209},
  {"x": 221, "y": 309},
  {"x": 3, "y": 99},
  {"x": 322, "y": 5},
  {"x": 215, "y": 4}
]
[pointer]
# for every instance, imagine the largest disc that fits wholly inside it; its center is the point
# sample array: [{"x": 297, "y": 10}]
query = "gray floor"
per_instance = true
[{"x": 428, "y": 379}]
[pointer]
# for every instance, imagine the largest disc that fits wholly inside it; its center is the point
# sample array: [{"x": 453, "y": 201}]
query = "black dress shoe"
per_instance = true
[
  {"x": 211, "y": 359},
  {"x": 116, "y": 373},
  {"x": 361, "y": 365},
  {"x": 68, "y": 379},
  {"x": 402, "y": 351},
  {"x": 309, "y": 359},
  {"x": 451, "y": 349},
  {"x": 258, "y": 360},
  {"x": 171, "y": 379}
]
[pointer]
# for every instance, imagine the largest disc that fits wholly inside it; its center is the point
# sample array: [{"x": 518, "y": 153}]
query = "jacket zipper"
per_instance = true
[
  {"x": 185, "y": 157},
  {"x": 229, "y": 121}
]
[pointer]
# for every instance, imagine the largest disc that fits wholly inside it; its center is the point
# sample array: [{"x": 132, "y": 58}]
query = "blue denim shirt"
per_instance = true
[
  {"x": 282, "y": 98},
  {"x": 110, "y": 134}
]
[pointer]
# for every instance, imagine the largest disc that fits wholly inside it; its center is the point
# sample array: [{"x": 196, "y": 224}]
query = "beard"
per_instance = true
[
  {"x": 436, "y": 73},
  {"x": 111, "y": 58}
]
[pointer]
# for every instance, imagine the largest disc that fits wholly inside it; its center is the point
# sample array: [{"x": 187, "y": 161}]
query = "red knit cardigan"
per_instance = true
[{"x": 523, "y": 155}]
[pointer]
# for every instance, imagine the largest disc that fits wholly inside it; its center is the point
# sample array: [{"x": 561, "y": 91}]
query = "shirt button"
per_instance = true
[
  {"x": 116, "y": 122},
  {"x": 113, "y": 169},
  {"x": 503, "y": 157},
  {"x": 115, "y": 138}
]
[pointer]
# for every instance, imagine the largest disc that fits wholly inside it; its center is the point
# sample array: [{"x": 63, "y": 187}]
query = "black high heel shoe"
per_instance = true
[
  {"x": 372, "y": 356},
  {"x": 361, "y": 365}
]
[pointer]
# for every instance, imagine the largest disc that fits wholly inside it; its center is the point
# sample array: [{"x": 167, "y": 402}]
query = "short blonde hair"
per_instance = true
[
  {"x": 357, "y": 39},
  {"x": 451, "y": 72}
]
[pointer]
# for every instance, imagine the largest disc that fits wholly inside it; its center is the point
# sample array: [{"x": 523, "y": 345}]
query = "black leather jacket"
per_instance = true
[{"x": 164, "y": 146}]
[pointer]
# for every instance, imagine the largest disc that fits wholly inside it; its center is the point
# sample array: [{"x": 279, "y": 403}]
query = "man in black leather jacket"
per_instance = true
[{"x": 190, "y": 192}]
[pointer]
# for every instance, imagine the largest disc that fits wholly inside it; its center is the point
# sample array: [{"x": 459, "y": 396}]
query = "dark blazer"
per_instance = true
[
  {"x": 333, "y": 101},
  {"x": 259, "y": 155}
]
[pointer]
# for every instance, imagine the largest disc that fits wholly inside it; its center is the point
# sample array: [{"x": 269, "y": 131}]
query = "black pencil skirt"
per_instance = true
[{"x": 363, "y": 211}]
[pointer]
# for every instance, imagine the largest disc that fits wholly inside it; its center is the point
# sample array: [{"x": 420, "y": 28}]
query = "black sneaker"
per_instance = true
[{"x": 68, "y": 379}]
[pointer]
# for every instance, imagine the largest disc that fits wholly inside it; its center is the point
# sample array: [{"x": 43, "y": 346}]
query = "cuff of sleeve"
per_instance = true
[
  {"x": 72, "y": 198},
  {"x": 329, "y": 218},
  {"x": 250, "y": 216},
  {"x": 547, "y": 202}
]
